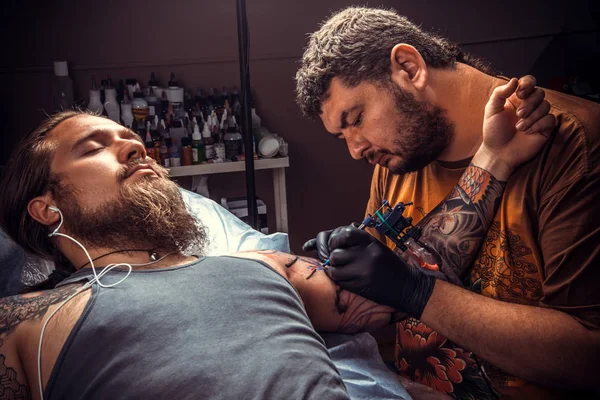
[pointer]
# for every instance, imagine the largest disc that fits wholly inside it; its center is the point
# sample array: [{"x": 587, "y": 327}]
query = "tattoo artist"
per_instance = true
[{"x": 413, "y": 103}]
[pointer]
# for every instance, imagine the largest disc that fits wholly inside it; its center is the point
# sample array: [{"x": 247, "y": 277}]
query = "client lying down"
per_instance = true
[{"x": 138, "y": 318}]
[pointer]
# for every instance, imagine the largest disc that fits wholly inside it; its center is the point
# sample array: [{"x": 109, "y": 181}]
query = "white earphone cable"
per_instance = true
[{"x": 96, "y": 279}]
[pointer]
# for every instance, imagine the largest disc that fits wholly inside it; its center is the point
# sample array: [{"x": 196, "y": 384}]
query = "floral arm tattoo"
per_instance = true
[{"x": 452, "y": 233}]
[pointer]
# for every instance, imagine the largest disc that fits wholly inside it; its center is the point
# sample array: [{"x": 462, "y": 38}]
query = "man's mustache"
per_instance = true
[{"x": 124, "y": 172}]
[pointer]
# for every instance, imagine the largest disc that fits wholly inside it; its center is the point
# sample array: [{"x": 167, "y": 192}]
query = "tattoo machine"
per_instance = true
[{"x": 391, "y": 222}]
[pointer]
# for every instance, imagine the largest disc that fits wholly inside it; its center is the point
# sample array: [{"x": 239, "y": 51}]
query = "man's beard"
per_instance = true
[
  {"x": 148, "y": 214},
  {"x": 421, "y": 137}
]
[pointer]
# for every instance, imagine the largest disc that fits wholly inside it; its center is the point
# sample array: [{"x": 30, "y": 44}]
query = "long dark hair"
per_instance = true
[{"x": 26, "y": 176}]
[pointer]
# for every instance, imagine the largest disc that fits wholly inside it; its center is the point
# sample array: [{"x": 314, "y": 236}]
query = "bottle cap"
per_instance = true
[
  {"x": 151, "y": 95},
  {"x": 153, "y": 81},
  {"x": 137, "y": 91},
  {"x": 61, "y": 68},
  {"x": 196, "y": 134},
  {"x": 206, "y": 131},
  {"x": 173, "y": 82}
]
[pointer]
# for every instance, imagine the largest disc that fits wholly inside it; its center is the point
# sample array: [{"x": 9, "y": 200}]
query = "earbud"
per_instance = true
[{"x": 56, "y": 210}]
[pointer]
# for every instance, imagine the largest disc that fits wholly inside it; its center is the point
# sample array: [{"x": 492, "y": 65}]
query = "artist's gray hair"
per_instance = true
[{"x": 354, "y": 45}]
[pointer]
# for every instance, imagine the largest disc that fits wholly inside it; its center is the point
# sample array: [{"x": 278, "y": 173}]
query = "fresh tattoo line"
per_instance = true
[
  {"x": 310, "y": 263},
  {"x": 29, "y": 307},
  {"x": 452, "y": 233},
  {"x": 287, "y": 265},
  {"x": 313, "y": 266},
  {"x": 10, "y": 388}
]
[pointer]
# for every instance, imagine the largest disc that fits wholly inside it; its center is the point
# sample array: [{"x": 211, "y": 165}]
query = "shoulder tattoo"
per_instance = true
[{"x": 29, "y": 307}]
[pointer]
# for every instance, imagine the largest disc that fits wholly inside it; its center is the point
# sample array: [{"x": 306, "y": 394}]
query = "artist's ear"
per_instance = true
[
  {"x": 39, "y": 209},
  {"x": 408, "y": 68}
]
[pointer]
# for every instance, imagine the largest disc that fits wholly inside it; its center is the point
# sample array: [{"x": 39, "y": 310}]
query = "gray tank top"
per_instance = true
[{"x": 220, "y": 327}]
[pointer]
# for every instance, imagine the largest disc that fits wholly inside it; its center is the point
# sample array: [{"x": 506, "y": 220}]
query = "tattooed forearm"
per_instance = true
[
  {"x": 451, "y": 233},
  {"x": 31, "y": 306},
  {"x": 10, "y": 387},
  {"x": 482, "y": 190}
]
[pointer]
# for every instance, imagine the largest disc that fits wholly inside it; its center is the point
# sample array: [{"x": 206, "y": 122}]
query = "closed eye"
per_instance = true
[
  {"x": 92, "y": 151},
  {"x": 358, "y": 120}
]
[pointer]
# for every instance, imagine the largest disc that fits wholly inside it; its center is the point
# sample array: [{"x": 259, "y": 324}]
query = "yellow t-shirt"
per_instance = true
[{"x": 543, "y": 248}]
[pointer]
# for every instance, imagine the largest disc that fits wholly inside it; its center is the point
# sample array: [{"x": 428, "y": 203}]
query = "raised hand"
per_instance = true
[{"x": 516, "y": 125}]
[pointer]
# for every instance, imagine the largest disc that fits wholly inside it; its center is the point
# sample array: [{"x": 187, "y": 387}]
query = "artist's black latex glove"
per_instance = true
[
  {"x": 321, "y": 242},
  {"x": 361, "y": 264}
]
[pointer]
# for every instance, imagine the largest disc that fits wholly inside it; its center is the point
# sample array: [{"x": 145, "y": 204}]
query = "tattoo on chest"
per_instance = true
[
  {"x": 29, "y": 307},
  {"x": 10, "y": 388}
]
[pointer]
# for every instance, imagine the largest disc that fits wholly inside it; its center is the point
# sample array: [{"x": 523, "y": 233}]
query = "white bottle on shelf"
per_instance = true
[
  {"x": 127, "y": 115},
  {"x": 62, "y": 87},
  {"x": 111, "y": 105},
  {"x": 95, "y": 105}
]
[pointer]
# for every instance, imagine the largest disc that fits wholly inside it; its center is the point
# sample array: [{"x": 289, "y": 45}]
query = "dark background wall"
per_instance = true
[{"x": 197, "y": 40}]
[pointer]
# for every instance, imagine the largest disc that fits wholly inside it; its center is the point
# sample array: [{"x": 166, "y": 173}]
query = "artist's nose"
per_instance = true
[{"x": 357, "y": 145}]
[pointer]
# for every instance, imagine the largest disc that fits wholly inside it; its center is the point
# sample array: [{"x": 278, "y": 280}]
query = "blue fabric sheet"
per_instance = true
[{"x": 363, "y": 371}]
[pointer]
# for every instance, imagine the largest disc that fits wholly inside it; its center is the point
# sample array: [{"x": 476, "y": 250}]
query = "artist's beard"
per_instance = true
[
  {"x": 423, "y": 133},
  {"x": 149, "y": 213}
]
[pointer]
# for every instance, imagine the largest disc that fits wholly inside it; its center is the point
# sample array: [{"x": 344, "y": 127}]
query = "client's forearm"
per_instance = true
[
  {"x": 333, "y": 309},
  {"x": 330, "y": 308}
]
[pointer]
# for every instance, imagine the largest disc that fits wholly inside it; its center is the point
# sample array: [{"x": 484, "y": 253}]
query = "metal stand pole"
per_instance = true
[{"x": 244, "y": 47}]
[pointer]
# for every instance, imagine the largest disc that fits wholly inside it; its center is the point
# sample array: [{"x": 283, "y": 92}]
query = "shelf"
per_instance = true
[{"x": 235, "y": 166}]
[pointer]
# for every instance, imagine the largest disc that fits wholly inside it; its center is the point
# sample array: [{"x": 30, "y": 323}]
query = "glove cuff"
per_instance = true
[{"x": 423, "y": 288}]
